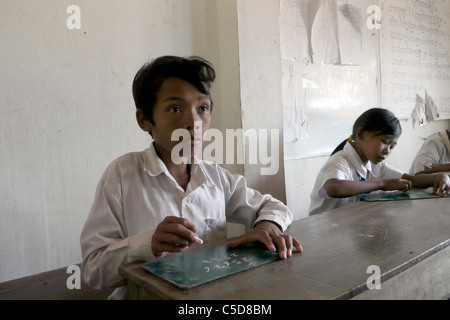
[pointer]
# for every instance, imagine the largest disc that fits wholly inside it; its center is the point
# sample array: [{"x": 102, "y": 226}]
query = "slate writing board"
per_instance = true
[
  {"x": 399, "y": 195},
  {"x": 193, "y": 269}
]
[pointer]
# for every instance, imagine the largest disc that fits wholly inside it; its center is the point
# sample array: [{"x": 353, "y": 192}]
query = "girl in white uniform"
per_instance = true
[{"x": 358, "y": 166}]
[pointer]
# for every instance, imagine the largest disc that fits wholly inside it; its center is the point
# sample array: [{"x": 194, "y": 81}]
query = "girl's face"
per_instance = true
[
  {"x": 179, "y": 105},
  {"x": 375, "y": 147}
]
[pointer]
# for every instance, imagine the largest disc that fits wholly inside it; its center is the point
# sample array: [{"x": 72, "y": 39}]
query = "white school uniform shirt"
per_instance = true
[
  {"x": 346, "y": 165},
  {"x": 435, "y": 150},
  {"x": 137, "y": 192}
]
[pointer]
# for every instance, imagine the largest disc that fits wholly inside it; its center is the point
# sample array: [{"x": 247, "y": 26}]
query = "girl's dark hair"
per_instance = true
[
  {"x": 148, "y": 80},
  {"x": 380, "y": 121}
]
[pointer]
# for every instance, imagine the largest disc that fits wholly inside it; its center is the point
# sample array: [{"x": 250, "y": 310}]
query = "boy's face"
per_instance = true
[{"x": 179, "y": 105}]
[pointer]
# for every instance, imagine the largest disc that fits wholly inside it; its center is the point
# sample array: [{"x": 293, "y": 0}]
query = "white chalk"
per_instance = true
[{"x": 199, "y": 241}]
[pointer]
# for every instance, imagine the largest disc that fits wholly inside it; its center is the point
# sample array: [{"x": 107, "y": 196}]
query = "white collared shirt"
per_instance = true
[
  {"x": 435, "y": 150},
  {"x": 137, "y": 192},
  {"x": 346, "y": 165}
]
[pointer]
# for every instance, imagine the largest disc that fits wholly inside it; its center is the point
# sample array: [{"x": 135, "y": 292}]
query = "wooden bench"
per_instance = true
[{"x": 50, "y": 285}]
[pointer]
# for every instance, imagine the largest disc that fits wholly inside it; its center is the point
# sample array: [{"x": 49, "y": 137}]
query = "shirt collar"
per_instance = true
[
  {"x": 155, "y": 166},
  {"x": 153, "y": 163},
  {"x": 355, "y": 160}
]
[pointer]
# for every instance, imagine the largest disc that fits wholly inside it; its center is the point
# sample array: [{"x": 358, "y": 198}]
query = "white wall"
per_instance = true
[
  {"x": 261, "y": 98},
  {"x": 67, "y": 111},
  {"x": 222, "y": 49}
]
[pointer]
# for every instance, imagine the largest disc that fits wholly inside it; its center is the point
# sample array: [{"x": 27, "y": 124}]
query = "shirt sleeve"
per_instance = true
[
  {"x": 336, "y": 170},
  {"x": 427, "y": 155},
  {"x": 104, "y": 241},
  {"x": 388, "y": 172},
  {"x": 248, "y": 206}
]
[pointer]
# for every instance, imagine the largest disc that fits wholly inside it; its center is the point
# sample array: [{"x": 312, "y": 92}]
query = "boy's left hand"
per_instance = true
[{"x": 271, "y": 236}]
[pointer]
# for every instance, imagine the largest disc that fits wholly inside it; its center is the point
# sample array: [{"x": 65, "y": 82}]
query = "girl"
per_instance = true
[{"x": 357, "y": 165}]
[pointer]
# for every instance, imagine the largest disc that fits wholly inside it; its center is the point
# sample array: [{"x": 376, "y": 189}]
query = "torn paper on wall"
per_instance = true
[
  {"x": 294, "y": 30},
  {"x": 419, "y": 114},
  {"x": 324, "y": 32},
  {"x": 431, "y": 109},
  {"x": 335, "y": 32},
  {"x": 350, "y": 24},
  {"x": 295, "y": 116}
]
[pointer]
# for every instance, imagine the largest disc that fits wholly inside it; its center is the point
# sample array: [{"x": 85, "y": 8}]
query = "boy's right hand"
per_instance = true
[{"x": 173, "y": 234}]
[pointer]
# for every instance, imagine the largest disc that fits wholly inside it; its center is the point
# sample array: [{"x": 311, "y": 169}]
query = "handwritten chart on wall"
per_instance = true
[
  {"x": 330, "y": 71},
  {"x": 415, "y": 47},
  {"x": 193, "y": 269}
]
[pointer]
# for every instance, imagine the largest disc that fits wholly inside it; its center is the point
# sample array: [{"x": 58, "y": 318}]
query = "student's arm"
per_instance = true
[
  {"x": 336, "y": 188},
  {"x": 105, "y": 244},
  {"x": 248, "y": 206},
  {"x": 435, "y": 168},
  {"x": 266, "y": 216},
  {"x": 439, "y": 181}
]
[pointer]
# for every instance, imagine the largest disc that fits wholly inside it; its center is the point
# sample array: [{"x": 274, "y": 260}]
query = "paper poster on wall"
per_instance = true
[
  {"x": 350, "y": 24},
  {"x": 330, "y": 77},
  {"x": 323, "y": 24},
  {"x": 294, "y": 32},
  {"x": 336, "y": 32},
  {"x": 322, "y": 31},
  {"x": 415, "y": 46}
]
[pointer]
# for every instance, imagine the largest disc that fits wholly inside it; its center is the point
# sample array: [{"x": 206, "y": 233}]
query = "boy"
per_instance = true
[{"x": 147, "y": 204}]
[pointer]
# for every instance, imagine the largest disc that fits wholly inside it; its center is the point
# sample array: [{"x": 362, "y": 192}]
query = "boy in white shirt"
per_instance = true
[
  {"x": 434, "y": 155},
  {"x": 147, "y": 205}
]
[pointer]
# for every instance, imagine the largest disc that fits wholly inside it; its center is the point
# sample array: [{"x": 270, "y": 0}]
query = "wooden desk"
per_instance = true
[{"x": 407, "y": 240}]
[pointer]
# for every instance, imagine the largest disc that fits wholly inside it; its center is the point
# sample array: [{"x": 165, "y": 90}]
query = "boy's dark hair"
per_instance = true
[
  {"x": 380, "y": 121},
  {"x": 148, "y": 80}
]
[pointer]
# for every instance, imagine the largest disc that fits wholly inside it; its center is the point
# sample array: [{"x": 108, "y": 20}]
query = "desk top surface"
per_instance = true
[{"x": 339, "y": 246}]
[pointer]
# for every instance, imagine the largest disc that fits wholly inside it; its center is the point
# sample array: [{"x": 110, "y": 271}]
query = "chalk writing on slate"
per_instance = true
[{"x": 193, "y": 269}]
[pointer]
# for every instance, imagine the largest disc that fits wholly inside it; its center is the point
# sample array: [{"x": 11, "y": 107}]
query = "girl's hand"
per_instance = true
[
  {"x": 397, "y": 184},
  {"x": 442, "y": 184},
  {"x": 173, "y": 234},
  {"x": 269, "y": 234}
]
